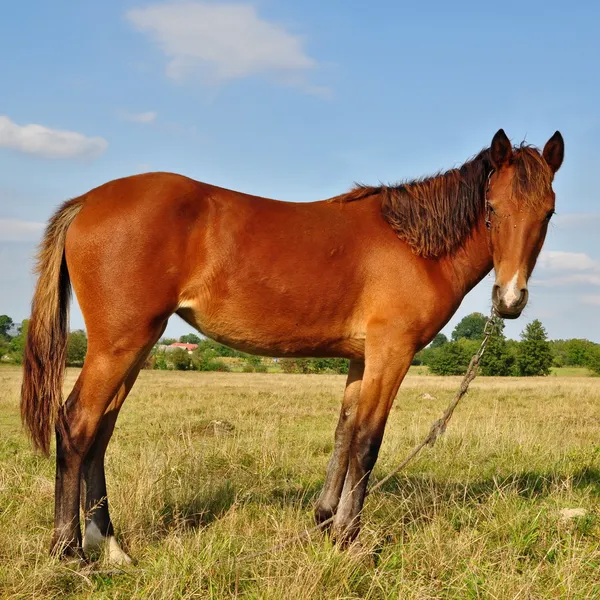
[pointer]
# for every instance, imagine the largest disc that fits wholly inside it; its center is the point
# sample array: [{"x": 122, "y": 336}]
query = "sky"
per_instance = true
[{"x": 297, "y": 101}]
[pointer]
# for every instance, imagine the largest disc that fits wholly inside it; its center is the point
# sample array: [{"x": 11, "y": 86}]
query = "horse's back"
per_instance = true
[{"x": 232, "y": 263}]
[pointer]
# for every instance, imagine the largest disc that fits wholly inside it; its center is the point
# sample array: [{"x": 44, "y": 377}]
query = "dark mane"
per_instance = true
[{"x": 435, "y": 215}]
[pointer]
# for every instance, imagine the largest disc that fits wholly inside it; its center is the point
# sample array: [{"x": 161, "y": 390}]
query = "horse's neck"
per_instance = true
[{"x": 472, "y": 261}]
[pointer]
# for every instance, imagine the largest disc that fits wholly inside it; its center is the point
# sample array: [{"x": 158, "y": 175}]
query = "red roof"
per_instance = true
[{"x": 182, "y": 345}]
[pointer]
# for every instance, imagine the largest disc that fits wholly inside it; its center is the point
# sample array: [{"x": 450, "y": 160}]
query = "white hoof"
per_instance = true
[
  {"x": 116, "y": 556},
  {"x": 93, "y": 541}
]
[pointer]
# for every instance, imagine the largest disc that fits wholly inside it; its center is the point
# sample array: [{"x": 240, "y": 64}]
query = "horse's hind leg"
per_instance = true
[
  {"x": 338, "y": 463},
  {"x": 98, "y": 525},
  {"x": 106, "y": 368}
]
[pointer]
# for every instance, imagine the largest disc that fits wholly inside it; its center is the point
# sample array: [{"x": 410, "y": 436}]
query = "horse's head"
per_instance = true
[{"x": 519, "y": 205}]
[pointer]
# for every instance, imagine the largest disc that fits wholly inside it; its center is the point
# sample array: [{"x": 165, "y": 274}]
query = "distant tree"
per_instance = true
[
  {"x": 450, "y": 359},
  {"x": 331, "y": 365},
  {"x": 425, "y": 356},
  {"x": 535, "y": 355},
  {"x": 593, "y": 362},
  {"x": 439, "y": 340},
  {"x": 559, "y": 353},
  {"x": 254, "y": 364},
  {"x": 180, "y": 359},
  {"x": 76, "y": 348},
  {"x": 470, "y": 328},
  {"x": 17, "y": 344},
  {"x": 497, "y": 360},
  {"x": 417, "y": 359},
  {"x": 167, "y": 341},
  {"x": 578, "y": 352},
  {"x": 220, "y": 349},
  {"x": 207, "y": 360},
  {"x": 314, "y": 365},
  {"x": 5, "y": 325},
  {"x": 190, "y": 338}
]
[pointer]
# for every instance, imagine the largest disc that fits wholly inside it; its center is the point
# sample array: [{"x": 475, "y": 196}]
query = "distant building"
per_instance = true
[{"x": 189, "y": 347}]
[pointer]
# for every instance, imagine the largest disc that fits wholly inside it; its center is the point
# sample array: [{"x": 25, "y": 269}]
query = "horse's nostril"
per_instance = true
[
  {"x": 496, "y": 292},
  {"x": 523, "y": 296}
]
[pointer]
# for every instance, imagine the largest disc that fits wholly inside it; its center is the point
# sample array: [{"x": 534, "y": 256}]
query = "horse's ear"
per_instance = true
[
  {"x": 501, "y": 149},
  {"x": 554, "y": 151}
]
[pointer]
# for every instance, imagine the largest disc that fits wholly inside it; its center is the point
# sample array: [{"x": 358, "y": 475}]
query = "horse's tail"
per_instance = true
[{"x": 47, "y": 336}]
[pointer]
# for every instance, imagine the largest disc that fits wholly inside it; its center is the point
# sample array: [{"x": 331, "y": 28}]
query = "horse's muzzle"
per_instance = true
[{"x": 509, "y": 303}]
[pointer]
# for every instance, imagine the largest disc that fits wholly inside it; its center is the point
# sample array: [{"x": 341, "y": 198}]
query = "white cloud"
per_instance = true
[
  {"x": 49, "y": 143},
  {"x": 221, "y": 42},
  {"x": 568, "y": 268},
  {"x": 554, "y": 260},
  {"x": 15, "y": 230},
  {"x": 142, "y": 117}
]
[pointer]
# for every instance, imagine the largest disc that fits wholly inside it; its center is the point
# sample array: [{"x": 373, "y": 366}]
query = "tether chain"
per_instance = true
[{"x": 437, "y": 429}]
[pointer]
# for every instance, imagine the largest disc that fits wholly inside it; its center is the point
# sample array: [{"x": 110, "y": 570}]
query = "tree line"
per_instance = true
[
  {"x": 532, "y": 355},
  {"x": 12, "y": 345},
  {"x": 209, "y": 357}
]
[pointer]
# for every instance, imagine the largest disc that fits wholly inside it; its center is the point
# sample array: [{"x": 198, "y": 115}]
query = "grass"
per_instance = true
[
  {"x": 571, "y": 372},
  {"x": 477, "y": 516}
]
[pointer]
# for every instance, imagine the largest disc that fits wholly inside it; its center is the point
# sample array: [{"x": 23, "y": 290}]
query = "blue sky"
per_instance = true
[{"x": 297, "y": 100}]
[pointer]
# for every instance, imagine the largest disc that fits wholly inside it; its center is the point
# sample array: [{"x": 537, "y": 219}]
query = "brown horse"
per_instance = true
[{"x": 371, "y": 275}]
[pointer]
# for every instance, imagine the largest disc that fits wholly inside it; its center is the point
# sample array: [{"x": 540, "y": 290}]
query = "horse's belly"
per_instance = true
[{"x": 276, "y": 332}]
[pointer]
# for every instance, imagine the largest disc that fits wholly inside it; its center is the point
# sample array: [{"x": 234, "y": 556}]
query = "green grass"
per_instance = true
[
  {"x": 477, "y": 516},
  {"x": 571, "y": 372}
]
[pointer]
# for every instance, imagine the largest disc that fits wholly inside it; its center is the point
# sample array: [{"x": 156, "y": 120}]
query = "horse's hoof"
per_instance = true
[
  {"x": 344, "y": 535},
  {"x": 117, "y": 557},
  {"x": 68, "y": 553},
  {"x": 73, "y": 559},
  {"x": 324, "y": 518},
  {"x": 359, "y": 553}
]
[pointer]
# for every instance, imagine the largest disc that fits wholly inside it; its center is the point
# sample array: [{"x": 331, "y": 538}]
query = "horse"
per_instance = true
[{"x": 371, "y": 275}]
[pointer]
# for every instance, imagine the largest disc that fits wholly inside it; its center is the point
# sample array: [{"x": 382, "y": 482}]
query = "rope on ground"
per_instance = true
[{"x": 437, "y": 429}]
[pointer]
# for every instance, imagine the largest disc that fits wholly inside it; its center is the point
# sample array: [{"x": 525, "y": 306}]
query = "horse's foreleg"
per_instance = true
[
  {"x": 338, "y": 463},
  {"x": 385, "y": 369}
]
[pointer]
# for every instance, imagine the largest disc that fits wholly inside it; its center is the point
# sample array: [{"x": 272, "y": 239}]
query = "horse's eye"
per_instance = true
[{"x": 549, "y": 215}]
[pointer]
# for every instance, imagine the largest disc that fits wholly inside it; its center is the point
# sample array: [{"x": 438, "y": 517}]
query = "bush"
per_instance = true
[
  {"x": 220, "y": 349},
  {"x": 254, "y": 364},
  {"x": 498, "y": 359},
  {"x": 450, "y": 359},
  {"x": 288, "y": 365},
  {"x": 593, "y": 360},
  {"x": 180, "y": 359},
  {"x": 206, "y": 360},
  {"x": 76, "y": 348},
  {"x": 315, "y": 365},
  {"x": 160, "y": 361}
]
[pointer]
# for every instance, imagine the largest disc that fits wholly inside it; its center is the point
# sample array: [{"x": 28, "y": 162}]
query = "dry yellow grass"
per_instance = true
[{"x": 477, "y": 516}]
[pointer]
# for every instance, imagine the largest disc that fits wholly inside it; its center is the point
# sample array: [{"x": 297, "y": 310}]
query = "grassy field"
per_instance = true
[{"x": 481, "y": 515}]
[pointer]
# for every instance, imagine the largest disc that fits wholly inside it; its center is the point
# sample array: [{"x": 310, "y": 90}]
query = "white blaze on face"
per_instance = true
[{"x": 512, "y": 293}]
